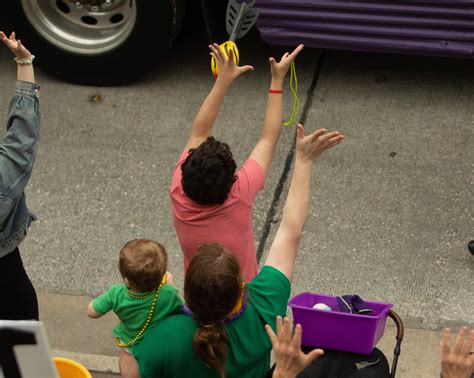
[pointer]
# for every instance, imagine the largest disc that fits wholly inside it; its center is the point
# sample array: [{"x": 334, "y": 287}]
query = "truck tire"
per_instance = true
[{"x": 96, "y": 42}]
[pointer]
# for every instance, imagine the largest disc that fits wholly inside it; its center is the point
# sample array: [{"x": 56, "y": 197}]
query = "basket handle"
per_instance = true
[
  {"x": 400, "y": 332},
  {"x": 398, "y": 322}
]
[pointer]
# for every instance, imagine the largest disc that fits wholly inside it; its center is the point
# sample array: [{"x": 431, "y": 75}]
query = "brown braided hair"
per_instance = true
[{"x": 212, "y": 287}]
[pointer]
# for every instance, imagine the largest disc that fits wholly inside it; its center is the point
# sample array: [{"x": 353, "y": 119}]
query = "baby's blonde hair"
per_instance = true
[{"x": 143, "y": 262}]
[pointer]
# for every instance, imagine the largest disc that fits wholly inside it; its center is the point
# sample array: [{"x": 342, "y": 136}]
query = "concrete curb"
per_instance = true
[
  {"x": 93, "y": 362},
  {"x": 73, "y": 335}
]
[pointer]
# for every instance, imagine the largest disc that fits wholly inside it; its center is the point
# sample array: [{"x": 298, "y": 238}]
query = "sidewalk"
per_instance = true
[{"x": 72, "y": 334}]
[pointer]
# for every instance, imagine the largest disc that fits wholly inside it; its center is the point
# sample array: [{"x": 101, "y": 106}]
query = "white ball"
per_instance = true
[{"x": 322, "y": 306}]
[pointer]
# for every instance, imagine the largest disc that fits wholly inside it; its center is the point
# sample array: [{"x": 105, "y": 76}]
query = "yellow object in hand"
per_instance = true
[{"x": 225, "y": 47}]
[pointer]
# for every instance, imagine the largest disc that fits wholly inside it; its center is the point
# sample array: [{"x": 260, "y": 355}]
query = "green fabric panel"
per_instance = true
[
  {"x": 133, "y": 312},
  {"x": 167, "y": 351}
]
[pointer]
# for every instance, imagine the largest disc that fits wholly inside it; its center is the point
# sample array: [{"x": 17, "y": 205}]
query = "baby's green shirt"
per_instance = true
[{"x": 133, "y": 312}]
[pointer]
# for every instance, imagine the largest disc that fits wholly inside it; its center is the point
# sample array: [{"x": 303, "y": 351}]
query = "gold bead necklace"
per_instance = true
[
  {"x": 137, "y": 296},
  {"x": 148, "y": 319}
]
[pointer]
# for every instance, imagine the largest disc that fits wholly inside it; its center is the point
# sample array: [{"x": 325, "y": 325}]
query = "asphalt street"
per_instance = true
[{"x": 392, "y": 207}]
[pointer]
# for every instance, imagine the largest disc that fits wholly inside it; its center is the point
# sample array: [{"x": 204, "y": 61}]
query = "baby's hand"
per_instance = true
[{"x": 170, "y": 279}]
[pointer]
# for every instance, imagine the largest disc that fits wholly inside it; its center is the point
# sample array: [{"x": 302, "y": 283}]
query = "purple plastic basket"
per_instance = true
[{"x": 338, "y": 330}]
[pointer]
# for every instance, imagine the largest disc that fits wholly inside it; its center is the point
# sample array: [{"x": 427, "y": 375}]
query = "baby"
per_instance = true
[{"x": 147, "y": 296}]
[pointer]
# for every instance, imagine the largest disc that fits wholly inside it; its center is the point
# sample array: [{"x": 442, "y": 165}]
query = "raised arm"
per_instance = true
[
  {"x": 18, "y": 146},
  {"x": 25, "y": 72},
  {"x": 284, "y": 248},
  {"x": 204, "y": 121},
  {"x": 272, "y": 125}
]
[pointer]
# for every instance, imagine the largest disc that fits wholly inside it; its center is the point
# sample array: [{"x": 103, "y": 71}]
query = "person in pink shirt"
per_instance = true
[{"x": 212, "y": 200}]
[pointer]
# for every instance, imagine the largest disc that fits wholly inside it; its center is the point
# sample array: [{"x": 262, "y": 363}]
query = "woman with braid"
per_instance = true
[{"x": 222, "y": 332}]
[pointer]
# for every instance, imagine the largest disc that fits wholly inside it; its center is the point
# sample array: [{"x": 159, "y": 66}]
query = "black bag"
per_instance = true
[{"x": 336, "y": 364}]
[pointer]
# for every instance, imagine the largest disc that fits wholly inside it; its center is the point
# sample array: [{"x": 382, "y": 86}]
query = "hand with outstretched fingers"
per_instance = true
[
  {"x": 279, "y": 69},
  {"x": 15, "y": 45},
  {"x": 457, "y": 362},
  {"x": 226, "y": 67},
  {"x": 289, "y": 358},
  {"x": 309, "y": 147}
]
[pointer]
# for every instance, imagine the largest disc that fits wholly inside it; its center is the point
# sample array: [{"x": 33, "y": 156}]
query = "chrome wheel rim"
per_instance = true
[{"x": 86, "y": 27}]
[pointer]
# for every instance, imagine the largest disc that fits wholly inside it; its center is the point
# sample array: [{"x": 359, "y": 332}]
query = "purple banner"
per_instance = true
[{"x": 439, "y": 27}]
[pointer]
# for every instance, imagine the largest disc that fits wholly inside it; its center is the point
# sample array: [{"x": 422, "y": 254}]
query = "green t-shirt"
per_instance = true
[
  {"x": 133, "y": 312},
  {"x": 166, "y": 350}
]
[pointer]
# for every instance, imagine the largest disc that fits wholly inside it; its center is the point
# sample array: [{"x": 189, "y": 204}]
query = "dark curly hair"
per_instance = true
[{"x": 208, "y": 172}]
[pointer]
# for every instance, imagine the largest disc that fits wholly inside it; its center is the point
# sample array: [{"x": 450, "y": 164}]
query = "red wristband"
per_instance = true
[{"x": 275, "y": 91}]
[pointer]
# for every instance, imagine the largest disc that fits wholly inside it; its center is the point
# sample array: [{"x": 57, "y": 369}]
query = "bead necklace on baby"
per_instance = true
[{"x": 148, "y": 319}]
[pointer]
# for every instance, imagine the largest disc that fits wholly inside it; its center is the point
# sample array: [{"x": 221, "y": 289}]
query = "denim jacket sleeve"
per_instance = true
[{"x": 19, "y": 144}]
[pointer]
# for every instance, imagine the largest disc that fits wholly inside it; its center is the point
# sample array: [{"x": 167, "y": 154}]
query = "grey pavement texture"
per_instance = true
[
  {"x": 392, "y": 207},
  {"x": 104, "y": 167}
]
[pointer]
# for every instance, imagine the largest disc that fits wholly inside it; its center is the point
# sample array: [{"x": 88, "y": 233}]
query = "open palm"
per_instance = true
[
  {"x": 289, "y": 358},
  {"x": 15, "y": 45},
  {"x": 279, "y": 69},
  {"x": 311, "y": 146},
  {"x": 226, "y": 67}
]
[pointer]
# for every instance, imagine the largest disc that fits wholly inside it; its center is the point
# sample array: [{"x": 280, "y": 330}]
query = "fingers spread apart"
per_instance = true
[
  {"x": 217, "y": 52},
  {"x": 271, "y": 335}
]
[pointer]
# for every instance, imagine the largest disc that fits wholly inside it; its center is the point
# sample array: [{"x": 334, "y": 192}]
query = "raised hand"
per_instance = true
[
  {"x": 23, "y": 57},
  {"x": 15, "y": 45},
  {"x": 310, "y": 147},
  {"x": 279, "y": 69},
  {"x": 290, "y": 359},
  {"x": 227, "y": 70},
  {"x": 457, "y": 362}
]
